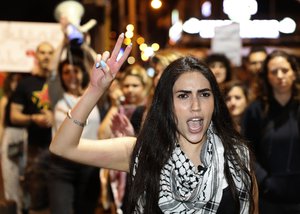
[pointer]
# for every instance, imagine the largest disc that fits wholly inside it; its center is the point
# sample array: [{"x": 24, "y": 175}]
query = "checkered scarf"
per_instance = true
[{"x": 185, "y": 189}]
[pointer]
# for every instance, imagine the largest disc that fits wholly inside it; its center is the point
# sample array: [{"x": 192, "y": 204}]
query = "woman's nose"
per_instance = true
[
  {"x": 130, "y": 88},
  {"x": 280, "y": 73},
  {"x": 195, "y": 104}
]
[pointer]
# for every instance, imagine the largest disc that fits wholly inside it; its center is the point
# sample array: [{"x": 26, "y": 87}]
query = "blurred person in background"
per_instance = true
[
  {"x": 160, "y": 60},
  {"x": 74, "y": 188},
  {"x": 9, "y": 86},
  {"x": 221, "y": 67},
  {"x": 12, "y": 144},
  {"x": 255, "y": 59},
  {"x": 237, "y": 99},
  {"x": 271, "y": 123},
  {"x": 74, "y": 44},
  {"x": 30, "y": 108},
  {"x": 109, "y": 200},
  {"x": 254, "y": 64},
  {"x": 135, "y": 84}
]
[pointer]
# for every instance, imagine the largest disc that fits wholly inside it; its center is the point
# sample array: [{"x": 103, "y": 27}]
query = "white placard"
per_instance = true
[
  {"x": 18, "y": 42},
  {"x": 227, "y": 40}
]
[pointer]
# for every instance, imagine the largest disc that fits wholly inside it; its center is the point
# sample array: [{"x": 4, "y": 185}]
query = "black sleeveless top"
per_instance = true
[{"x": 227, "y": 205}]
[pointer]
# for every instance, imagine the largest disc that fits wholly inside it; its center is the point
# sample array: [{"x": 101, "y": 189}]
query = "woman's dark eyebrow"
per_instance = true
[
  {"x": 189, "y": 91},
  {"x": 204, "y": 90}
]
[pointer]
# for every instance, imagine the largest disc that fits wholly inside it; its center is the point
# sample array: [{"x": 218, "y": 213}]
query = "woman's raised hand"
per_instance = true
[{"x": 107, "y": 66}]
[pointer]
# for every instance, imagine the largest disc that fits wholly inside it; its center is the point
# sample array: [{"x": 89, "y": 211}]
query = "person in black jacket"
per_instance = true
[{"x": 271, "y": 123}]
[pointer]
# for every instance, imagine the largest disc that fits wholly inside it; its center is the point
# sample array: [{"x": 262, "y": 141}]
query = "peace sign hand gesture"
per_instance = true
[{"x": 107, "y": 66}]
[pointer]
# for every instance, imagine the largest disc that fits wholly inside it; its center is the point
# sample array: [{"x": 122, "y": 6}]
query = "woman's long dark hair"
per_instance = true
[
  {"x": 158, "y": 136},
  {"x": 218, "y": 57}
]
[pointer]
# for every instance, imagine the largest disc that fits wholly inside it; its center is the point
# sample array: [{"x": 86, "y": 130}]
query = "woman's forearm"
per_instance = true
[
  {"x": 66, "y": 142},
  {"x": 68, "y": 135}
]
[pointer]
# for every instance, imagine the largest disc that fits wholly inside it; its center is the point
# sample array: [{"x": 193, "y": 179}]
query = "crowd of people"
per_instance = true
[{"x": 196, "y": 137}]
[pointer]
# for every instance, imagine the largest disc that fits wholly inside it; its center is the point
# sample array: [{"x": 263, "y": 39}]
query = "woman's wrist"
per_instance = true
[
  {"x": 75, "y": 121},
  {"x": 93, "y": 94},
  {"x": 94, "y": 91},
  {"x": 86, "y": 103}
]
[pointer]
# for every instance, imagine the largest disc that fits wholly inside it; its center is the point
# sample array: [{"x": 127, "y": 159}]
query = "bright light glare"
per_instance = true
[
  {"x": 130, "y": 27},
  {"x": 175, "y": 16},
  {"x": 150, "y": 72},
  {"x": 129, "y": 34},
  {"x": 207, "y": 27},
  {"x": 259, "y": 29},
  {"x": 143, "y": 46},
  {"x": 238, "y": 10},
  {"x": 144, "y": 57},
  {"x": 248, "y": 29},
  {"x": 189, "y": 26},
  {"x": 155, "y": 46},
  {"x": 148, "y": 51},
  {"x": 287, "y": 25},
  {"x": 206, "y": 9},
  {"x": 127, "y": 41},
  {"x": 156, "y": 4},
  {"x": 140, "y": 40},
  {"x": 175, "y": 31},
  {"x": 131, "y": 60}
]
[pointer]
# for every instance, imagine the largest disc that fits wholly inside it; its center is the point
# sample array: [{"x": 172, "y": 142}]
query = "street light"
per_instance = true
[{"x": 156, "y": 4}]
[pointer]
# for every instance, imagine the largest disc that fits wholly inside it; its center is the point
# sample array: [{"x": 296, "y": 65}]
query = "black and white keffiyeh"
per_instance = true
[{"x": 185, "y": 189}]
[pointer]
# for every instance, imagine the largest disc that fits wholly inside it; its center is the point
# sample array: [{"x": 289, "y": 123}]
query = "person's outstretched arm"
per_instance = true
[{"x": 111, "y": 153}]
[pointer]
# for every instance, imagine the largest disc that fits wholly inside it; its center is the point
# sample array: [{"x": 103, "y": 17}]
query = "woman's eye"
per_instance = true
[
  {"x": 238, "y": 97},
  {"x": 182, "y": 96},
  {"x": 205, "y": 94},
  {"x": 285, "y": 70}
]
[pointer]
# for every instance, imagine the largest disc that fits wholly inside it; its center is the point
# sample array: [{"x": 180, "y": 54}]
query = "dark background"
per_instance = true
[{"x": 42, "y": 11}]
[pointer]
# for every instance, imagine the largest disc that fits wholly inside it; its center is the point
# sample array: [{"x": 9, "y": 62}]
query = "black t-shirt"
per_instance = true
[{"x": 32, "y": 94}]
